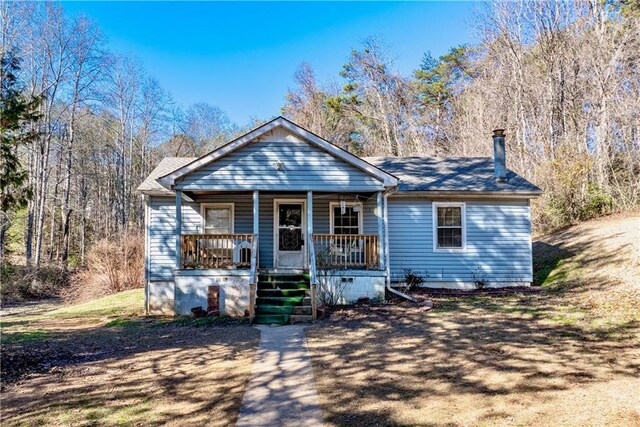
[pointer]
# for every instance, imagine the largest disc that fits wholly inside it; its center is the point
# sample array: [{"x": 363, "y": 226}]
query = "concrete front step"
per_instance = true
[
  {"x": 300, "y": 318},
  {"x": 302, "y": 309},
  {"x": 267, "y": 319}
]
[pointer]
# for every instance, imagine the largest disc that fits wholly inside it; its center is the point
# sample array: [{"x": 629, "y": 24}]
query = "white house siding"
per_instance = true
[
  {"x": 498, "y": 243},
  {"x": 306, "y": 167}
]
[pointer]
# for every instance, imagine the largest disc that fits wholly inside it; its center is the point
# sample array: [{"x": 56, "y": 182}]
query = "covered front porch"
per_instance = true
[
  {"x": 231, "y": 238},
  {"x": 300, "y": 231}
]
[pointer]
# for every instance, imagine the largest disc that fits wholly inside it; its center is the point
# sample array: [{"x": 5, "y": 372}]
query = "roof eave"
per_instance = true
[{"x": 470, "y": 193}]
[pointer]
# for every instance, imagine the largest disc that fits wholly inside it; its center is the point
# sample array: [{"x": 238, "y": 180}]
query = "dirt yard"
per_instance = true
[
  {"x": 102, "y": 363},
  {"x": 568, "y": 355}
]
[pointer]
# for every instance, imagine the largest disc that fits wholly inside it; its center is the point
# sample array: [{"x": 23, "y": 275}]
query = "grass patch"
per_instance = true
[
  {"x": 120, "y": 304},
  {"x": 122, "y": 323},
  {"x": 23, "y": 337}
]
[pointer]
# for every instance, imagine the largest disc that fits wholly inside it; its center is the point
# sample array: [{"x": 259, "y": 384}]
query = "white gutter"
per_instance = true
[{"x": 386, "y": 249}]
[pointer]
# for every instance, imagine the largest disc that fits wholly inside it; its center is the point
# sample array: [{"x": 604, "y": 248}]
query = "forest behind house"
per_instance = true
[{"x": 82, "y": 126}]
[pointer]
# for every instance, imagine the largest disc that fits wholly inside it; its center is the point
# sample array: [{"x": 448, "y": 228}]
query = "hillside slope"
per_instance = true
[{"x": 595, "y": 268}]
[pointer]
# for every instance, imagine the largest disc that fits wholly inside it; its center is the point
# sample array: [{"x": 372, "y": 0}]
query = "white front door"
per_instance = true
[{"x": 290, "y": 232}]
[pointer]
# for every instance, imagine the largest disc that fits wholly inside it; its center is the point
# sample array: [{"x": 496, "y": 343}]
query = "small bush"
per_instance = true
[
  {"x": 412, "y": 280},
  {"x": 112, "y": 266},
  {"x": 479, "y": 279},
  {"x": 330, "y": 288}
]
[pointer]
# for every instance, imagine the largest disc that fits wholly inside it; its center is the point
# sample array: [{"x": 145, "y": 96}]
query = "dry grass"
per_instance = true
[
  {"x": 569, "y": 355},
  {"x": 100, "y": 363},
  {"x": 113, "y": 266}
]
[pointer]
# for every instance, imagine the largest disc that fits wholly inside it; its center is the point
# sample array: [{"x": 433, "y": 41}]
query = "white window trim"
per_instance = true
[
  {"x": 463, "y": 211},
  {"x": 204, "y": 206},
  {"x": 333, "y": 205}
]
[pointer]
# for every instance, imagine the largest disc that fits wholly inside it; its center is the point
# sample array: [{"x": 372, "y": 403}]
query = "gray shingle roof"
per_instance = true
[
  {"x": 451, "y": 174},
  {"x": 165, "y": 167}
]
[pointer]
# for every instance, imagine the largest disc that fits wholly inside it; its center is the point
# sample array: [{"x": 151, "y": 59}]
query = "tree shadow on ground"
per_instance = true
[
  {"x": 470, "y": 360},
  {"x": 144, "y": 373}
]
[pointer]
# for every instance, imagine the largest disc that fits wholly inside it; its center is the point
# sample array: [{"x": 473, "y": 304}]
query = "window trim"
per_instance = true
[
  {"x": 463, "y": 213},
  {"x": 203, "y": 211},
  {"x": 333, "y": 205}
]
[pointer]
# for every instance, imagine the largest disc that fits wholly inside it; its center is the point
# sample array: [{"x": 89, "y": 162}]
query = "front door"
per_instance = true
[{"x": 290, "y": 231}]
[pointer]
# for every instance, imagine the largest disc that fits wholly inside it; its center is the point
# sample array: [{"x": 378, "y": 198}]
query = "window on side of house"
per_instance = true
[
  {"x": 347, "y": 221},
  {"x": 217, "y": 218},
  {"x": 449, "y": 226}
]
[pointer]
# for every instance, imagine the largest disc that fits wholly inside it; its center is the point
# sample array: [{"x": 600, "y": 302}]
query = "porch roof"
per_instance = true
[{"x": 151, "y": 186}]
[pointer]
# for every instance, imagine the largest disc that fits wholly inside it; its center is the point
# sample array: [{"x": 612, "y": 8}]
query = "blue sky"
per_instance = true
[{"x": 242, "y": 56}]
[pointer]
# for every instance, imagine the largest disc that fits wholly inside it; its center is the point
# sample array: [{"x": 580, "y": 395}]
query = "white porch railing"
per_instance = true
[
  {"x": 202, "y": 251},
  {"x": 344, "y": 251}
]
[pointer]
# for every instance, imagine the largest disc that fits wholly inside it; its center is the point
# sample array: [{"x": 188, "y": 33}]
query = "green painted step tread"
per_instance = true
[
  {"x": 262, "y": 285},
  {"x": 282, "y": 292},
  {"x": 275, "y": 309},
  {"x": 280, "y": 300}
]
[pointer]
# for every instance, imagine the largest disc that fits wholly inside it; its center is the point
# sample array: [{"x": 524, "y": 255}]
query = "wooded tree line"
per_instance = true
[
  {"x": 561, "y": 77},
  {"x": 97, "y": 125}
]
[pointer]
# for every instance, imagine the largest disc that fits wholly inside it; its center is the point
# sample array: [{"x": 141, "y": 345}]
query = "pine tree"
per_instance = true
[{"x": 17, "y": 113}]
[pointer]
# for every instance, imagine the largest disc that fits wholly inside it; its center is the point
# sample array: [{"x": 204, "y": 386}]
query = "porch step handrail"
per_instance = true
[
  {"x": 347, "y": 250},
  {"x": 313, "y": 279},
  {"x": 253, "y": 286},
  {"x": 216, "y": 250}
]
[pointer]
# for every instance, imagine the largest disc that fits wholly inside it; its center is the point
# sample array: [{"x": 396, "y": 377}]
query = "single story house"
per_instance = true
[{"x": 278, "y": 220}]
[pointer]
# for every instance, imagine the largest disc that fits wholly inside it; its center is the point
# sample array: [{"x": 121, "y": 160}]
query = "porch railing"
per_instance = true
[
  {"x": 346, "y": 251},
  {"x": 253, "y": 282},
  {"x": 313, "y": 279},
  {"x": 201, "y": 251}
]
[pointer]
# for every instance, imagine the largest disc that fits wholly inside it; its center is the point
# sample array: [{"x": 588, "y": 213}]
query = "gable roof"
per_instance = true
[
  {"x": 168, "y": 180},
  {"x": 452, "y": 175}
]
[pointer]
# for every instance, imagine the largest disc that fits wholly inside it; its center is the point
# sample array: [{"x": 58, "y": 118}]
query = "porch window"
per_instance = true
[
  {"x": 217, "y": 218},
  {"x": 347, "y": 221},
  {"x": 449, "y": 226}
]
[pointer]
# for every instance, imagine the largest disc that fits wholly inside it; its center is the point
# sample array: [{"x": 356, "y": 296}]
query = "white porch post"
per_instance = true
[
  {"x": 309, "y": 220},
  {"x": 256, "y": 212},
  {"x": 178, "y": 229},
  {"x": 379, "y": 210}
]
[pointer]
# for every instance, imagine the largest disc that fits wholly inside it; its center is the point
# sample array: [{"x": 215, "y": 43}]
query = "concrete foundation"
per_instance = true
[
  {"x": 347, "y": 286},
  {"x": 192, "y": 286}
]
